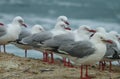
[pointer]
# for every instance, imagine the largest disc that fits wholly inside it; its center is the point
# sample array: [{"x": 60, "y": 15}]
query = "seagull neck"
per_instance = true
[
  {"x": 96, "y": 41},
  {"x": 57, "y": 32},
  {"x": 100, "y": 47},
  {"x": 58, "y": 28},
  {"x": 93, "y": 41},
  {"x": 14, "y": 28},
  {"x": 82, "y": 32},
  {"x": 35, "y": 31},
  {"x": 15, "y": 24}
]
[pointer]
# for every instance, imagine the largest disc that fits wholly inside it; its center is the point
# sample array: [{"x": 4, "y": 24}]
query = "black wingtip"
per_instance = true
[{"x": 115, "y": 55}]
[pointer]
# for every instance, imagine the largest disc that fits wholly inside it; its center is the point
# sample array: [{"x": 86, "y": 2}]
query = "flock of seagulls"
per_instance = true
[{"x": 84, "y": 46}]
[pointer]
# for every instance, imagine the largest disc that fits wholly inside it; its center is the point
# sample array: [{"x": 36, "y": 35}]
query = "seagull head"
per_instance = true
[
  {"x": 63, "y": 19},
  {"x": 37, "y": 28},
  {"x": 100, "y": 29},
  {"x": 86, "y": 29},
  {"x": 101, "y": 37},
  {"x": 19, "y": 20},
  {"x": 62, "y": 26}
]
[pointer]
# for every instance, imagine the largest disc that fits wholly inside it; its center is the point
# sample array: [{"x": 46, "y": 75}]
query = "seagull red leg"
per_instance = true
[
  {"x": 86, "y": 71},
  {"x": 52, "y": 57},
  {"x": 100, "y": 65},
  {"x": 45, "y": 56},
  {"x": 68, "y": 63},
  {"x": 81, "y": 72},
  {"x": 86, "y": 74},
  {"x": 103, "y": 65},
  {"x": 110, "y": 68},
  {"x": 64, "y": 61}
]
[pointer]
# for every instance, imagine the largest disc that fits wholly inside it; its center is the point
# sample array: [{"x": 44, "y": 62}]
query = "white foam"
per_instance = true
[
  {"x": 107, "y": 25},
  {"x": 49, "y": 22}
]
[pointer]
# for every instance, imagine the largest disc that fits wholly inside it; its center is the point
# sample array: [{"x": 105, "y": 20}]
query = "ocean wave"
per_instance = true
[
  {"x": 24, "y": 2},
  {"x": 49, "y": 22},
  {"x": 44, "y": 2},
  {"x": 93, "y": 23},
  {"x": 31, "y": 19},
  {"x": 11, "y": 2},
  {"x": 68, "y": 4}
]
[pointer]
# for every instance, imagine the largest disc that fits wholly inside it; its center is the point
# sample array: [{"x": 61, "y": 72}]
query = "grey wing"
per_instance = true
[
  {"x": 42, "y": 36},
  {"x": 50, "y": 43},
  {"x": 79, "y": 49},
  {"x": 2, "y": 31},
  {"x": 23, "y": 34},
  {"x": 64, "y": 37},
  {"x": 66, "y": 48},
  {"x": 37, "y": 38},
  {"x": 110, "y": 49},
  {"x": 58, "y": 40}
]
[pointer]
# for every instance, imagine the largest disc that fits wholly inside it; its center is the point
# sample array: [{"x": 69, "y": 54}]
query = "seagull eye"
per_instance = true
[
  {"x": 20, "y": 21},
  {"x": 40, "y": 29},
  {"x": 63, "y": 26},
  {"x": 86, "y": 28},
  {"x": 101, "y": 37}
]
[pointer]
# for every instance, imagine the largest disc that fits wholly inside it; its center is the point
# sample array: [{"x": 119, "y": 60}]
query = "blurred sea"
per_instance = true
[
  {"x": 105, "y": 13},
  {"x": 95, "y": 13}
]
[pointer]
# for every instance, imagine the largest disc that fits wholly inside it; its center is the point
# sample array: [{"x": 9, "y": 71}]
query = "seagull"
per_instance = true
[
  {"x": 25, "y": 33},
  {"x": 112, "y": 49},
  {"x": 11, "y": 31},
  {"x": 86, "y": 52},
  {"x": 113, "y": 35}
]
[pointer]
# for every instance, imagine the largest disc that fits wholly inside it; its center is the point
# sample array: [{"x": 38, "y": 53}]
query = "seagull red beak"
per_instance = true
[
  {"x": 108, "y": 41},
  {"x": 67, "y": 28},
  {"x": 24, "y": 25},
  {"x": 1, "y": 24},
  {"x": 94, "y": 31},
  {"x": 66, "y": 22},
  {"x": 90, "y": 30}
]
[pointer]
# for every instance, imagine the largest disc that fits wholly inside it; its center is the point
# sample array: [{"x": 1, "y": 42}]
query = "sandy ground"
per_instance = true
[{"x": 14, "y": 67}]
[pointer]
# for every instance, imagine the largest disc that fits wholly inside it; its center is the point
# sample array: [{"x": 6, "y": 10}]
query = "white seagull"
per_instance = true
[
  {"x": 25, "y": 33},
  {"x": 86, "y": 52},
  {"x": 12, "y": 31}
]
